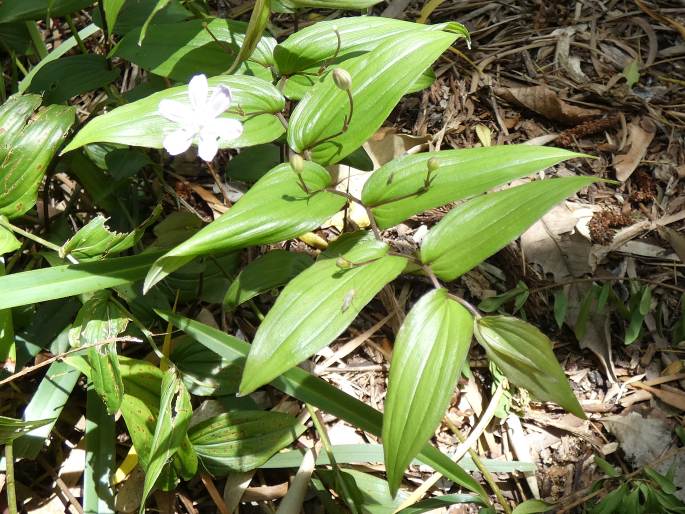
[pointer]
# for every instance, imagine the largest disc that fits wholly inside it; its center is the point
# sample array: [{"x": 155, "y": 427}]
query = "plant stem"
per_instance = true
[
  {"x": 481, "y": 467},
  {"x": 37, "y": 39},
  {"x": 74, "y": 32},
  {"x": 29, "y": 235},
  {"x": 9, "y": 473}
]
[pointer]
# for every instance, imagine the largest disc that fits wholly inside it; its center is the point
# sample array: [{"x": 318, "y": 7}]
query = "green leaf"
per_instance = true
[
  {"x": 58, "y": 52},
  {"x": 134, "y": 13},
  {"x": 112, "y": 9},
  {"x": 307, "y": 388},
  {"x": 204, "y": 372},
  {"x": 159, "y": 6},
  {"x": 494, "y": 303},
  {"x": 181, "y": 50},
  {"x": 632, "y": 73},
  {"x": 430, "y": 349},
  {"x": 11, "y": 429},
  {"x": 484, "y": 225},
  {"x": 606, "y": 468},
  {"x": 139, "y": 123},
  {"x": 274, "y": 209},
  {"x": 39, "y": 9},
  {"x": 46, "y": 402},
  {"x": 62, "y": 281},
  {"x": 173, "y": 419},
  {"x": 330, "y": 4},
  {"x": 309, "y": 48},
  {"x": 8, "y": 243},
  {"x": 253, "y": 34},
  {"x": 16, "y": 38},
  {"x": 525, "y": 356},
  {"x": 396, "y": 190},
  {"x": 443, "y": 501},
  {"x": 95, "y": 239},
  {"x": 664, "y": 483},
  {"x": 98, "y": 496},
  {"x": 242, "y": 440},
  {"x": 560, "y": 307},
  {"x": 271, "y": 270},
  {"x": 28, "y": 142},
  {"x": 318, "y": 305},
  {"x": 532, "y": 507},
  {"x": 59, "y": 80},
  {"x": 100, "y": 320},
  {"x": 379, "y": 79}
]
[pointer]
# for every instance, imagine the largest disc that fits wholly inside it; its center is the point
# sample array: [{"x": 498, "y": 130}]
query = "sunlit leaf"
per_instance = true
[
  {"x": 429, "y": 352},
  {"x": 317, "y": 305}
]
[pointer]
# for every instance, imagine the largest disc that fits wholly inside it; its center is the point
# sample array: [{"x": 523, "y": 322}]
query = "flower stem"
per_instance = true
[{"x": 9, "y": 473}]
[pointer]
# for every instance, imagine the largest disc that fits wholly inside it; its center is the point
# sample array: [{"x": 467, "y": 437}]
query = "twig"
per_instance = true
[
  {"x": 61, "y": 356},
  {"x": 606, "y": 279},
  {"x": 220, "y": 183}
]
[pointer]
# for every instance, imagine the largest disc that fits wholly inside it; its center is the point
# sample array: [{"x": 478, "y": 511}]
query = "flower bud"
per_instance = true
[
  {"x": 297, "y": 163},
  {"x": 342, "y": 79},
  {"x": 433, "y": 164},
  {"x": 343, "y": 263}
]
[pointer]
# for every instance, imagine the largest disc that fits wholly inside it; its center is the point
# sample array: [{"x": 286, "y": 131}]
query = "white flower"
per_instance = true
[{"x": 200, "y": 119}]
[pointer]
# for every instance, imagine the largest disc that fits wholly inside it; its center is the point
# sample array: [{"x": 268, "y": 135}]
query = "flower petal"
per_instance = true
[
  {"x": 198, "y": 89},
  {"x": 208, "y": 147},
  {"x": 175, "y": 111},
  {"x": 224, "y": 128},
  {"x": 178, "y": 141},
  {"x": 219, "y": 101}
]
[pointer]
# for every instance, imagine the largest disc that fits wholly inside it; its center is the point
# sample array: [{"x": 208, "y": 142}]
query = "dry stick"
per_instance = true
[
  {"x": 220, "y": 183},
  {"x": 461, "y": 450},
  {"x": 61, "y": 356},
  {"x": 214, "y": 493}
]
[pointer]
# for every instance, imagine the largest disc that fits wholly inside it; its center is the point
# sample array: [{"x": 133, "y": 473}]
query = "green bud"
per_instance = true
[
  {"x": 343, "y": 263},
  {"x": 433, "y": 164},
  {"x": 342, "y": 79},
  {"x": 297, "y": 163}
]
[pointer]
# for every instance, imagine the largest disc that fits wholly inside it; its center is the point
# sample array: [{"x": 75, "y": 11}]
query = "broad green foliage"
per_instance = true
[
  {"x": 140, "y": 124},
  {"x": 275, "y": 209},
  {"x": 397, "y": 190},
  {"x": 180, "y": 50},
  {"x": 430, "y": 350},
  {"x": 524, "y": 354},
  {"x": 39, "y": 9},
  {"x": 482, "y": 226},
  {"x": 317, "y": 305},
  {"x": 243, "y": 440},
  {"x": 379, "y": 79},
  {"x": 29, "y": 139}
]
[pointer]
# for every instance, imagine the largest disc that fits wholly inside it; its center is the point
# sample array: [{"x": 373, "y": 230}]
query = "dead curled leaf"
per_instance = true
[
  {"x": 640, "y": 134},
  {"x": 547, "y": 103}
]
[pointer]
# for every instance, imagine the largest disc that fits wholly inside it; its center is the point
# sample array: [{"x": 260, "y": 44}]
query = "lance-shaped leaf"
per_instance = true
[
  {"x": 379, "y": 79},
  {"x": 45, "y": 284},
  {"x": 100, "y": 320},
  {"x": 272, "y": 269},
  {"x": 11, "y": 429},
  {"x": 173, "y": 419},
  {"x": 95, "y": 239},
  {"x": 307, "y": 388},
  {"x": 28, "y": 142},
  {"x": 430, "y": 350},
  {"x": 317, "y": 305},
  {"x": 159, "y": 6},
  {"x": 112, "y": 8},
  {"x": 484, "y": 225},
  {"x": 396, "y": 190},
  {"x": 255, "y": 102},
  {"x": 98, "y": 496},
  {"x": 181, "y": 50},
  {"x": 276, "y": 208},
  {"x": 39, "y": 9},
  {"x": 525, "y": 356},
  {"x": 242, "y": 440},
  {"x": 309, "y": 48},
  {"x": 253, "y": 34}
]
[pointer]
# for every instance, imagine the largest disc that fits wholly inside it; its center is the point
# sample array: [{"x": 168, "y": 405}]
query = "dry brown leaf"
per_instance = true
[
  {"x": 640, "y": 135},
  {"x": 674, "y": 399},
  {"x": 675, "y": 239},
  {"x": 547, "y": 103}
]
